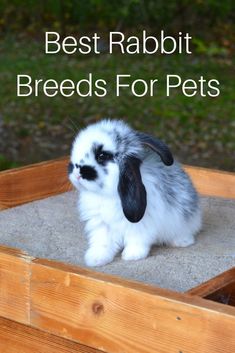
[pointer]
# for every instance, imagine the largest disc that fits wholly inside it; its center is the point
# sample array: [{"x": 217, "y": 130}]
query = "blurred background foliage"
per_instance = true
[
  {"x": 199, "y": 130},
  {"x": 205, "y": 17}
]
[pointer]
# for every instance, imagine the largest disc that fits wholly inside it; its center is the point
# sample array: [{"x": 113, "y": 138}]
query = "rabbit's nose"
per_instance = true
[{"x": 70, "y": 168}]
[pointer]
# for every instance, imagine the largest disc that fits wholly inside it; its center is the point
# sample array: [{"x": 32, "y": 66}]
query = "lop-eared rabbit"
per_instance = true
[{"x": 132, "y": 194}]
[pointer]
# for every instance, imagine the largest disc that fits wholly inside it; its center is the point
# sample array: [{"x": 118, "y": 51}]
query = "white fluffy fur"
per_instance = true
[{"x": 107, "y": 229}]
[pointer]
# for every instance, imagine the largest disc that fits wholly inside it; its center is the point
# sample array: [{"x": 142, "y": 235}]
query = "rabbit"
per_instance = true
[{"x": 132, "y": 194}]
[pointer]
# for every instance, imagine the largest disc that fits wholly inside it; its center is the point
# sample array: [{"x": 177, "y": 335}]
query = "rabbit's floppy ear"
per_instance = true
[
  {"x": 131, "y": 189},
  {"x": 157, "y": 146}
]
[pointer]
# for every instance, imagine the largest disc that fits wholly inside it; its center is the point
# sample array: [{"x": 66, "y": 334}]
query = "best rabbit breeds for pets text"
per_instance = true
[{"x": 131, "y": 193}]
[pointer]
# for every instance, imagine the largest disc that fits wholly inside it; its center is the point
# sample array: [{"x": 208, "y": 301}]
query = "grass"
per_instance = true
[{"x": 200, "y": 130}]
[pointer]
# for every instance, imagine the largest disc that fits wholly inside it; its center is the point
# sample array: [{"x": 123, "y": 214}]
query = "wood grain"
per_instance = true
[
  {"x": 214, "y": 284},
  {"x": 14, "y": 284},
  {"x": 211, "y": 182},
  {"x": 18, "y": 338},
  {"x": 124, "y": 316},
  {"x": 33, "y": 182},
  {"x": 104, "y": 312},
  {"x": 224, "y": 295}
]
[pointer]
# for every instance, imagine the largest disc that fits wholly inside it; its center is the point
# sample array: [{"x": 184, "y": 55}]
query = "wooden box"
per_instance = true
[{"x": 48, "y": 306}]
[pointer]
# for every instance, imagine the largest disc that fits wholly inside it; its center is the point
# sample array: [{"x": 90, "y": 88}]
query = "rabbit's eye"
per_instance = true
[{"x": 103, "y": 157}]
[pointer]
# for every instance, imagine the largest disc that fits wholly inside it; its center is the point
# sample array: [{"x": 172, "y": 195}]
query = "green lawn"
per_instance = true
[{"x": 200, "y": 130}]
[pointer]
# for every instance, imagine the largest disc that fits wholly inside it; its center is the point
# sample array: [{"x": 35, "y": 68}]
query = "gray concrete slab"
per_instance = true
[{"x": 50, "y": 228}]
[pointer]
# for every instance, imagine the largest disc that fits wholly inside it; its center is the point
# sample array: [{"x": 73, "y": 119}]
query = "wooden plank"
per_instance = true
[
  {"x": 110, "y": 313},
  {"x": 37, "y": 181},
  {"x": 14, "y": 284},
  {"x": 34, "y": 182},
  {"x": 18, "y": 338},
  {"x": 121, "y": 316},
  {"x": 224, "y": 295},
  {"x": 211, "y": 182},
  {"x": 214, "y": 284}
]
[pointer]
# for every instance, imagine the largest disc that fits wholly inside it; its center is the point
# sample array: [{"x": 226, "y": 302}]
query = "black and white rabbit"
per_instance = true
[{"x": 131, "y": 193}]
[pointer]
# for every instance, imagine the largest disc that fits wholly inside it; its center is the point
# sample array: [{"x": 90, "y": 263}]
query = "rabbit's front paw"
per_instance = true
[
  {"x": 98, "y": 256},
  {"x": 134, "y": 252}
]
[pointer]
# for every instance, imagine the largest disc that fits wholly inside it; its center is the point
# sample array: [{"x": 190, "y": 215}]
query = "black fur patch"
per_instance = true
[
  {"x": 132, "y": 190},
  {"x": 87, "y": 172},
  {"x": 157, "y": 146},
  {"x": 102, "y": 156},
  {"x": 97, "y": 149},
  {"x": 70, "y": 168}
]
